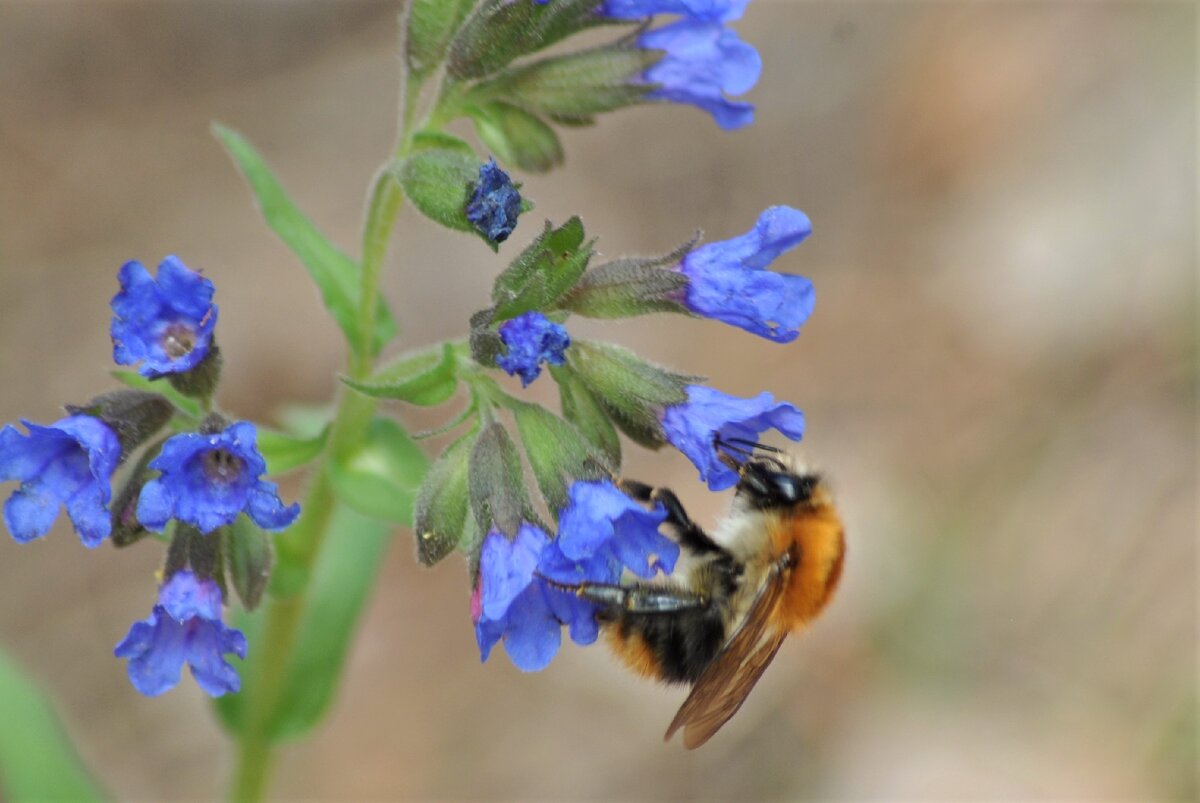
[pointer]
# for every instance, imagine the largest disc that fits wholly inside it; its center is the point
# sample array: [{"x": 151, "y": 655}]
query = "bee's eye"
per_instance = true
[{"x": 792, "y": 488}]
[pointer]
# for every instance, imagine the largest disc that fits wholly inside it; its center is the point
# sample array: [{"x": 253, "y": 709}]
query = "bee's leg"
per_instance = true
[
  {"x": 690, "y": 534},
  {"x": 636, "y": 598}
]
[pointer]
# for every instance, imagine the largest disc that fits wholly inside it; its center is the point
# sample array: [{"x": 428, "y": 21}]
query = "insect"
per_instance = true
[{"x": 767, "y": 570}]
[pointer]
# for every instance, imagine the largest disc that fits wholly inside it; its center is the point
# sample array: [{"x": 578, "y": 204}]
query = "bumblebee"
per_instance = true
[{"x": 716, "y": 622}]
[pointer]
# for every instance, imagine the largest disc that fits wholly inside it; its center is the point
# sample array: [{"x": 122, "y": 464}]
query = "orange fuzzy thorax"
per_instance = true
[{"x": 816, "y": 533}]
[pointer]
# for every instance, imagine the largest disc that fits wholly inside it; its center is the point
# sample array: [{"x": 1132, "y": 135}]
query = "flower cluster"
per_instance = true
[
  {"x": 522, "y": 595},
  {"x": 195, "y": 482}
]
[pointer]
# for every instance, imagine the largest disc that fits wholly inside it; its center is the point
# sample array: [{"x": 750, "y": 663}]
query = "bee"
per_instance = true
[{"x": 717, "y": 621}]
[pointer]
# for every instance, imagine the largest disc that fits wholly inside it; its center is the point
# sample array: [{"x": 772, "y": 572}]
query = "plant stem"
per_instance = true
[{"x": 299, "y": 548}]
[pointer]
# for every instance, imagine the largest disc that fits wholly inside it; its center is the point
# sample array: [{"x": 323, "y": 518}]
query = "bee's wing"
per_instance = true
[{"x": 723, "y": 686}]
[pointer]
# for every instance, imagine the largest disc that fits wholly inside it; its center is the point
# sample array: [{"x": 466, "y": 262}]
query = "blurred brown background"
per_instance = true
[{"x": 1000, "y": 377}]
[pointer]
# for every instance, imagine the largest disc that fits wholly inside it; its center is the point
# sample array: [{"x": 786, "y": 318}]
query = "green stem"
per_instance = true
[{"x": 299, "y": 548}]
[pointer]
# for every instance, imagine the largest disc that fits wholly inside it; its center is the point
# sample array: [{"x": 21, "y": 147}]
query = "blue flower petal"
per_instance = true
[
  {"x": 155, "y": 648},
  {"x": 506, "y": 567},
  {"x": 209, "y": 641},
  {"x": 30, "y": 512},
  {"x": 711, "y": 10},
  {"x": 183, "y": 597},
  {"x": 266, "y": 508},
  {"x": 693, "y": 426},
  {"x": 704, "y": 61},
  {"x": 534, "y": 644}
]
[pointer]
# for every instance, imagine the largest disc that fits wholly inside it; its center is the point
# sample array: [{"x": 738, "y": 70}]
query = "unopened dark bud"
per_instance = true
[
  {"x": 202, "y": 553},
  {"x": 126, "y": 529}
]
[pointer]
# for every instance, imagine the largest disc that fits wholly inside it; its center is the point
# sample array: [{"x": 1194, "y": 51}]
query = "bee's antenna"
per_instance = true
[{"x": 753, "y": 445}]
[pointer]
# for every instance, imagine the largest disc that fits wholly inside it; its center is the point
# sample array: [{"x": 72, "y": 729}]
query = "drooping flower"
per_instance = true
[
  {"x": 164, "y": 323},
  {"x": 601, "y": 533},
  {"x": 694, "y": 426},
  {"x": 513, "y": 603},
  {"x": 207, "y": 480},
  {"x": 70, "y": 464},
  {"x": 495, "y": 203},
  {"x": 184, "y": 627},
  {"x": 710, "y": 10},
  {"x": 727, "y": 280},
  {"x": 531, "y": 339},
  {"x": 703, "y": 62}
]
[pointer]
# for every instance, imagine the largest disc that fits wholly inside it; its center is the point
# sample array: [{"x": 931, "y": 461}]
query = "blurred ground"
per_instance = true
[{"x": 1000, "y": 377}]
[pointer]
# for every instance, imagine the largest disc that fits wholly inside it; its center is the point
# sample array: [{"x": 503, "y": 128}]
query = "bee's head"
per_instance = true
[{"x": 767, "y": 478}]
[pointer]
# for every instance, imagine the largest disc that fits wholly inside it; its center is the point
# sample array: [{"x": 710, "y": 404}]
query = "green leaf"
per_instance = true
[
  {"x": 340, "y": 586},
  {"x": 249, "y": 553},
  {"x": 426, "y": 378},
  {"x": 38, "y": 762},
  {"x": 431, "y": 26},
  {"x": 543, "y": 272},
  {"x": 381, "y": 478},
  {"x": 633, "y": 391},
  {"x": 497, "y": 483},
  {"x": 433, "y": 140},
  {"x": 500, "y": 30},
  {"x": 443, "y": 502},
  {"x": 284, "y": 452},
  {"x": 438, "y": 181},
  {"x": 578, "y": 85},
  {"x": 558, "y": 454},
  {"x": 580, "y": 407},
  {"x": 336, "y": 274},
  {"x": 517, "y": 137},
  {"x": 188, "y": 406}
]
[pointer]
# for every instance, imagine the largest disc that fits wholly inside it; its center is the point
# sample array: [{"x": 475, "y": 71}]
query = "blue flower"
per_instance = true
[
  {"x": 207, "y": 480},
  {"x": 602, "y": 523},
  {"x": 694, "y": 426},
  {"x": 531, "y": 339},
  {"x": 494, "y": 204},
  {"x": 703, "y": 62},
  {"x": 185, "y": 626},
  {"x": 601, "y": 532},
  {"x": 726, "y": 280},
  {"x": 69, "y": 463},
  {"x": 166, "y": 323},
  {"x": 710, "y": 10},
  {"x": 513, "y": 604}
]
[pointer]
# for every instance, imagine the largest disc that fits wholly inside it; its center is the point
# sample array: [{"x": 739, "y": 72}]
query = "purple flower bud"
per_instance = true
[
  {"x": 495, "y": 203},
  {"x": 726, "y": 280},
  {"x": 694, "y": 426},
  {"x": 184, "y": 627},
  {"x": 67, "y": 464},
  {"x": 207, "y": 480},
  {"x": 531, "y": 339},
  {"x": 165, "y": 323}
]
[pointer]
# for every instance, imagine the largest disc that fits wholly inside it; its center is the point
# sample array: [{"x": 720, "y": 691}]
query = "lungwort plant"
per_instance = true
[{"x": 259, "y": 595}]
